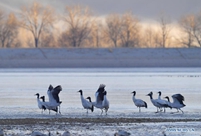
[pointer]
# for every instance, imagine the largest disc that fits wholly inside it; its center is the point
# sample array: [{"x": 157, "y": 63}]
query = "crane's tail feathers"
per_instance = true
[
  {"x": 167, "y": 106},
  {"x": 102, "y": 86},
  {"x": 145, "y": 104},
  {"x": 56, "y": 109},
  {"x": 43, "y": 107},
  {"x": 92, "y": 108}
]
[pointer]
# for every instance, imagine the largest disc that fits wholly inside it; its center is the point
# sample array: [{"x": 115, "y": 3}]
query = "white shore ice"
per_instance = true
[{"x": 99, "y": 57}]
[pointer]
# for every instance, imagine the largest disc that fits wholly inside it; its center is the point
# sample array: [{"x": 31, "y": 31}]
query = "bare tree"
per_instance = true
[
  {"x": 113, "y": 28},
  {"x": 95, "y": 35},
  {"x": 197, "y": 30},
  {"x": 191, "y": 27},
  {"x": 129, "y": 30},
  {"x": 2, "y": 27},
  {"x": 187, "y": 25},
  {"x": 1, "y": 15},
  {"x": 165, "y": 30},
  {"x": 78, "y": 21},
  {"x": 150, "y": 37},
  {"x": 48, "y": 40},
  {"x": 8, "y": 31},
  {"x": 37, "y": 19}
]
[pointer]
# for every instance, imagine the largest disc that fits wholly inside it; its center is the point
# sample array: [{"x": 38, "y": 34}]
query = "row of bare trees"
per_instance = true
[
  {"x": 8, "y": 30},
  {"x": 191, "y": 27},
  {"x": 40, "y": 26}
]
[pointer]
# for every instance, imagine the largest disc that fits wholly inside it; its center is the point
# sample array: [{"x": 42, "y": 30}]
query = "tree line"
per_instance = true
[{"x": 40, "y": 26}]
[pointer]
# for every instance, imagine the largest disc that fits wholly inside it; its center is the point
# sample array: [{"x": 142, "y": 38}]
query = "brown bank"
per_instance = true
[{"x": 80, "y": 121}]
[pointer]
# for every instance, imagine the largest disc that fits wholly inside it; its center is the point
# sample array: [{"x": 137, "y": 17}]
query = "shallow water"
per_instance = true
[{"x": 18, "y": 87}]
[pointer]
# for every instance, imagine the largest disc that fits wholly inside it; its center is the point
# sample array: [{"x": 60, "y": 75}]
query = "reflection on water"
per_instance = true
[{"x": 18, "y": 86}]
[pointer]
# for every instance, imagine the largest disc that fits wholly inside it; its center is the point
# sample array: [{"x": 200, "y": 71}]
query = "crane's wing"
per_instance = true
[
  {"x": 50, "y": 88},
  {"x": 53, "y": 93},
  {"x": 178, "y": 98},
  {"x": 99, "y": 93}
]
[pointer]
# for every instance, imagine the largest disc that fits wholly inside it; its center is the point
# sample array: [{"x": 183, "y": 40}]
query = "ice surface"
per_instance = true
[{"x": 18, "y": 87}]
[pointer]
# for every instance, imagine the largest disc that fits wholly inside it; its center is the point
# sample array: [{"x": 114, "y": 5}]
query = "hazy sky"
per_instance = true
[{"x": 144, "y": 9}]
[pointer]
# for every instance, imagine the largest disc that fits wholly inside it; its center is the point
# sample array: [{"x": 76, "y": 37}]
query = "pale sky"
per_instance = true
[{"x": 144, "y": 9}]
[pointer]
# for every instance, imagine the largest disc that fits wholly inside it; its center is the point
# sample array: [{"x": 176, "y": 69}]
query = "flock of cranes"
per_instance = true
[
  {"x": 160, "y": 103},
  {"x": 102, "y": 102},
  {"x": 54, "y": 101}
]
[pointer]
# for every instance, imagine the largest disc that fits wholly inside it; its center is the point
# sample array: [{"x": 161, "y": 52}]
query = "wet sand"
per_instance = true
[
  {"x": 76, "y": 121},
  {"x": 100, "y": 126}
]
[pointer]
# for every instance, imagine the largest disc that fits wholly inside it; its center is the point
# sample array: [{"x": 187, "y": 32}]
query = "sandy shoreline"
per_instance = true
[
  {"x": 100, "y": 126},
  {"x": 98, "y": 58},
  {"x": 71, "y": 121}
]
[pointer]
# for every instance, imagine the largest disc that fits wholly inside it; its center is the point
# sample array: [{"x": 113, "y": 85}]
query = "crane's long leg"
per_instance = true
[
  {"x": 102, "y": 111},
  {"x": 59, "y": 109},
  {"x": 106, "y": 111},
  {"x": 157, "y": 110},
  {"x": 181, "y": 110}
]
